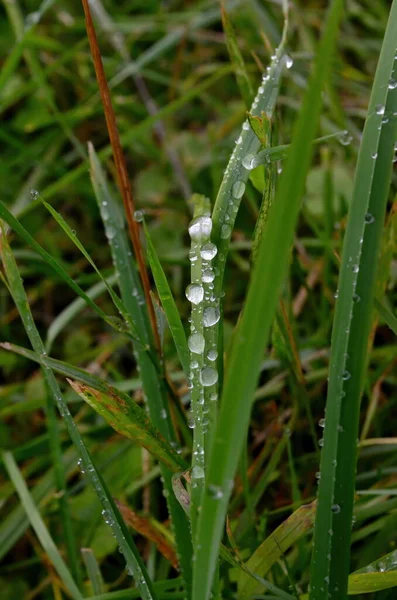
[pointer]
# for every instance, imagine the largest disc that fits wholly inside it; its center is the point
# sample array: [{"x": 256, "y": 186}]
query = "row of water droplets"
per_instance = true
[
  {"x": 244, "y": 158},
  {"x": 205, "y": 315}
]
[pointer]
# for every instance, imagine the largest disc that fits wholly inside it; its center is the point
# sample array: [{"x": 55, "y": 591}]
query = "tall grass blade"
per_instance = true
[
  {"x": 253, "y": 329},
  {"x": 356, "y": 289},
  {"x": 110, "y": 512},
  {"x": 39, "y": 526}
]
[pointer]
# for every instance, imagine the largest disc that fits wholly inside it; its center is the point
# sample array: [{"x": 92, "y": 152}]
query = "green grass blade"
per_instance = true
[
  {"x": 64, "y": 318},
  {"x": 150, "y": 373},
  {"x": 93, "y": 570},
  {"x": 351, "y": 330},
  {"x": 39, "y": 526},
  {"x": 389, "y": 318},
  {"x": 117, "y": 408},
  {"x": 253, "y": 329},
  {"x": 110, "y": 512},
  {"x": 25, "y": 235},
  {"x": 168, "y": 303},
  {"x": 367, "y": 583},
  {"x": 242, "y": 77},
  {"x": 273, "y": 548}
]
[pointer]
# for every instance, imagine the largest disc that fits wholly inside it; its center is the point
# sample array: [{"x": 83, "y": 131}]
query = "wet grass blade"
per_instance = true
[
  {"x": 254, "y": 325},
  {"x": 117, "y": 408},
  {"x": 39, "y": 526},
  {"x": 93, "y": 570},
  {"x": 168, "y": 303},
  {"x": 151, "y": 370},
  {"x": 110, "y": 512},
  {"x": 353, "y": 317},
  {"x": 273, "y": 548},
  {"x": 243, "y": 79}
]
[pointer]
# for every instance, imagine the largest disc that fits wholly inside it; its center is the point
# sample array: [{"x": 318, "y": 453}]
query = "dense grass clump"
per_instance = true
[{"x": 197, "y": 239}]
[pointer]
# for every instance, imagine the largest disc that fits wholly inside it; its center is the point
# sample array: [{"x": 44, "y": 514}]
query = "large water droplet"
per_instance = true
[
  {"x": 208, "y": 251},
  {"x": 208, "y": 275},
  {"x": 197, "y": 472},
  {"x": 246, "y": 126},
  {"x": 200, "y": 228},
  {"x": 248, "y": 161},
  {"x": 226, "y": 231},
  {"x": 288, "y": 61},
  {"x": 208, "y": 376},
  {"x": 196, "y": 343},
  {"x": 195, "y": 293},
  {"x": 211, "y": 316},
  {"x": 238, "y": 189}
]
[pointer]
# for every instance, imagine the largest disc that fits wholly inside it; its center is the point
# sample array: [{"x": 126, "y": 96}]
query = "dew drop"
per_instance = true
[
  {"x": 190, "y": 421},
  {"x": 380, "y": 109},
  {"x": 369, "y": 218},
  {"x": 212, "y": 355},
  {"x": 34, "y": 194},
  {"x": 195, "y": 293},
  {"x": 214, "y": 491},
  {"x": 211, "y": 316},
  {"x": 200, "y": 228},
  {"x": 208, "y": 275},
  {"x": 374, "y": 155},
  {"x": 392, "y": 84},
  {"x": 288, "y": 61},
  {"x": 208, "y": 376},
  {"x": 238, "y": 189},
  {"x": 208, "y": 251},
  {"x": 335, "y": 509},
  {"x": 246, "y": 126},
  {"x": 321, "y": 423},
  {"x": 226, "y": 231},
  {"x": 197, "y": 472},
  {"x": 345, "y": 138},
  {"x": 138, "y": 216},
  {"x": 248, "y": 161},
  {"x": 196, "y": 343},
  {"x": 321, "y": 442},
  {"x": 346, "y": 375},
  {"x": 356, "y": 298}
]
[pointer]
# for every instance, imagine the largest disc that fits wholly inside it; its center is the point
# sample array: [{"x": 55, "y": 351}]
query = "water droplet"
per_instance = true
[
  {"x": 163, "y": 413},
  {"x": 374, "y": 155},
  {"x": 215, "y": 492},
  {"x": 138, "y": 216},
  {"x": 321, "y": 423},
  {"x": 214, "y": 397},
  {"x": 34, "y": 194},
  {"x": 380, "y": 109},
  {"x": 345, "y": 138},
  {"x": 211, "y": 316},
  {"x": 318, "y": 475},
  {"x": 208, "y": 251},
  {"x": 248, "y": 161},
  {"x": 208, "y": 275},
  {"x": 208, "y": 376},
  {"x": 196, "y": 343},
  {"x": 238, "y": 189},
  {"x": 195, "y": 293},
  {"x": 200, "y": 228},
  {"x": 355, "y": 268},
  {"x": 197, "y": 472},
  {"x": 336, "y": 295},
  {"x": 212, "y": 355},
  {"x": 346, "y": 375},
  {"x": 335, "y": 509},
  {"x": 321, "y": 442},
  {"x": 369, "y": 218},
  {"x": 239, "y": 140},
  {"x": 226, "y": 231},
  {"x": 356, "y": 298},
  {"x": 392, "y": 84},
  {"x": 288, "y": 61},
  {"x": 246, "y": 126}
]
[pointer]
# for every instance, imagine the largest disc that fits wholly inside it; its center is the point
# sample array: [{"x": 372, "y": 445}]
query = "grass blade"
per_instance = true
[
  {"x": 351, "y": 330},
  {"x": 168, "y": 303},
  {"x": 254, "y": 325},
  {"x": 93, "y": 570},
  {"x": 39, "y": 526},
  {"x": 133, "y": 423},
  {"x": 110, "y": 512}
]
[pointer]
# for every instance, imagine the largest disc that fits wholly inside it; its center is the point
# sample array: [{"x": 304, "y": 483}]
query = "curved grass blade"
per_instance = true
[
  {"x": 353, "y": 315},
  {"x": 389, "y": 318},
  {"x": 168, "y": 303},
  {"x": 119, "y": 410},
  {"x": 272, "y": 549},
  {"x": 110, "y": 512},
  {"x": 65, "y": 317},
  {"x": 254, "y": 325},
  {"x": 150, "y": 369},
  {"x": 39, "y": 526},
  {"x": 93, "y": 570},
  {"x": 367, "y": 583},
  {"x": 25, "y": 235}
]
